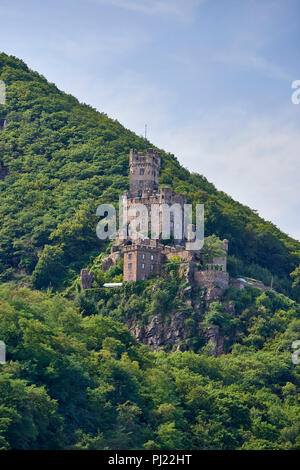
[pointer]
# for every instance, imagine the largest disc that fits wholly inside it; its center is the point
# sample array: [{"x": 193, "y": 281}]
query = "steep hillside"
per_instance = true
[
  {"x": 59, "y": 159},
  {"x": 75, "y": 377},
  {"x": 85, "y": 383}
]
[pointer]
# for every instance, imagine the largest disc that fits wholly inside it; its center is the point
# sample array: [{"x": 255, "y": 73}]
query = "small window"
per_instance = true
[
  {"x": 143, "y": 265},
  {"x": 140, "y": 193},
  {"x": 152, "y": 257},
  {"x": 129, "y": 265},
  {"x": 152, "y": 267},
  {"x": 130, "y": 256},
  {"x": 143, "y": 255},
  {"x": 141, "y": 171}
]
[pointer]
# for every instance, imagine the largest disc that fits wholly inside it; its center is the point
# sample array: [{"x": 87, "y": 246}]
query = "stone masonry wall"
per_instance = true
[
  {"x": 211, "y": 279},
  {"x": 140, "y": 262},
  {"x": 216, "y": 282}
]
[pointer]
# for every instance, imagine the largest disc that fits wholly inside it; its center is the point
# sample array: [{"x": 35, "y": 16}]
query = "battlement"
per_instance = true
[
  {"x": 150, "y": 156},
  {"x": 146, "y": 243}
]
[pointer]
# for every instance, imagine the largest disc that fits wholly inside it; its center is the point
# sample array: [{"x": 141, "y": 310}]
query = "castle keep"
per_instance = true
[{"x": 144, "y": 171}]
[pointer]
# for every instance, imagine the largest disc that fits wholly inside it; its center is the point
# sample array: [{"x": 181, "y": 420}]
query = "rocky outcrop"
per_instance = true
[
  {"x": 161, "y": 334},
  {"x": 172, "y": 333},
  {"x": 86, "y": 279},
  {"x": 110, "y": 260},
  {"x": 215, "y": 339}
]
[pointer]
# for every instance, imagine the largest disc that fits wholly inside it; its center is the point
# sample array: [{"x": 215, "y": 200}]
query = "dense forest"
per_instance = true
[
  {"x": 83, "y": 382},
  {"x": 75, "y": 377}
]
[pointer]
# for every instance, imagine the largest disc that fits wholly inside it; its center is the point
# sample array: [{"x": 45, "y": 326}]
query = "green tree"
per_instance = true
[
  {"x": 50, "y": 268},
  {"x": 212, "y": 248}
]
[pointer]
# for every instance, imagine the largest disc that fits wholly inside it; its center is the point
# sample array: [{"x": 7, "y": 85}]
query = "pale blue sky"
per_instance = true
[{"x": 211, "y": 78}]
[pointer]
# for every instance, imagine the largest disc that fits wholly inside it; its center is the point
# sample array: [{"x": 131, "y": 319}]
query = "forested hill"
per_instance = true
[
  {"x": 75, "y": 377},
  {"x": 59, "y": 159}
]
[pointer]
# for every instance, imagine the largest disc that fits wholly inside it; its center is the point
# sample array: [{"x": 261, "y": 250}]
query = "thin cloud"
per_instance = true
[
  {"x": 252, "y": 61},
  {"x": 105, "y": 50},
  {"x": 180, "y": 8},
  {"x": 253, "y": 159},
  {"x": 256, "y": 162}
]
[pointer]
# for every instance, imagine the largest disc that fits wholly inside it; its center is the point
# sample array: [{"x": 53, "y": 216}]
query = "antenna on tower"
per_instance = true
[{"x": 145, "y": 131}]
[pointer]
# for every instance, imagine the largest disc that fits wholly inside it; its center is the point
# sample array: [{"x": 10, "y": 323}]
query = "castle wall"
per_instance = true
[
  {"x": 215, "y": 282},
  {"x": 110, "y": 260},
  {"x": 164, "y": 196},
  {"x": 211, "y": 279}
]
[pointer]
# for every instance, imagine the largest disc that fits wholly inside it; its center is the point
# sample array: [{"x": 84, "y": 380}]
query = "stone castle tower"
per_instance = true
[{"x": 144, "y": 172}]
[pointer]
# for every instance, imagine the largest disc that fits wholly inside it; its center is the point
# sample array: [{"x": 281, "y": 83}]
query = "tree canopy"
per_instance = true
[{"x": 83, "y": 382}]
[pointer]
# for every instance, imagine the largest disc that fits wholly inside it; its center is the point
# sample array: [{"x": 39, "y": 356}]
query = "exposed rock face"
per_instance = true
[
  {"x": 86, "y": 279},
  {"x": 187, "y": 270},
  {"x": 110, "y": 260},
  {"x": 231, "y": 308},
  {"x": 172, "y": 333},
  {"x": 159, "y": 334},
  {"x": 216, "y": 340}
]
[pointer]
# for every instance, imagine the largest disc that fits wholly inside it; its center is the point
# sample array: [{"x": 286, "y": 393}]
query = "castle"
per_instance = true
[{"x": 143, "y": 257}]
